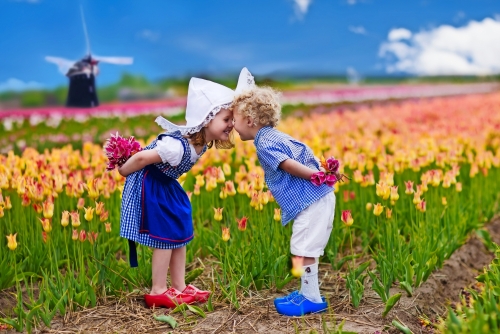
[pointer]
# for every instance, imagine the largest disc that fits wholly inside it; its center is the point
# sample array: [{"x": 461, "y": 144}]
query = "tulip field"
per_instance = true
[{"x": 424, "y": 175}]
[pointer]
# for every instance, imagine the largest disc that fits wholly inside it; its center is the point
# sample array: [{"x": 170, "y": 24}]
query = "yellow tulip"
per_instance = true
[
  {"x": 11, "y": 241},
  {"x": 200, "y": 180},
  {"x": 8, "y": 204},
  {"x": 226, "y": 169},
  {"x": 277, "y": 214},
  {"x": 369, "y": 206},
  {"x": 108, "y": 227},
  {"x": 458, "y": 187},
  {"x": 444, "y": 201},
  {"x": 346, "y": 218},
  {"x": 89, "y": 213},
  {"x": 218, "y": 213},
  {"x": 80, "y": 204},
  {"x": 48, "y": 209},
  {"x": 377, "y": 209},
  {"x": 65, "y": 218},
  {"x": 388, "y": 213},
  {"x": 225, "y": 234},
  {"x": 196, "y": 190},
  {"x": 46, "y": 225},
  {"x": 394, "y": 193}
]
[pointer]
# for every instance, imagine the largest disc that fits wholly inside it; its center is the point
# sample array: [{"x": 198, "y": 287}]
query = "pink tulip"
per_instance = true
[
  {"x": 318, "y": 178},
  {"x": 332, "y": 165},
  {"x": 330, "y": 180}
]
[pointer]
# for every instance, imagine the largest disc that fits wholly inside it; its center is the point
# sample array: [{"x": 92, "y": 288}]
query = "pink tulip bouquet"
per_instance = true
[
  {"x": 118, "y": 150},
  {"x": 330, "y": 175}
]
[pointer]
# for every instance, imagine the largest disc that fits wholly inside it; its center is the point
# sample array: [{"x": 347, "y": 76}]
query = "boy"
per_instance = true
[{"x": 288, "y": 166}]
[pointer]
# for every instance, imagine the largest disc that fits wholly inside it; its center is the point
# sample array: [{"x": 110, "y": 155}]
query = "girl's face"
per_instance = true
[{"x": 220, "y": 127}]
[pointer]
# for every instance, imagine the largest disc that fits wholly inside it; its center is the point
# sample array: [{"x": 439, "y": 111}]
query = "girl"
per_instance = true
[{"x": 156, "y": 211}]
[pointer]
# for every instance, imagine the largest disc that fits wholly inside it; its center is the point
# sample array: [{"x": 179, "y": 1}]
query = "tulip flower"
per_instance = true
[
  {"x": 1, "y": 212},
  {"x": 458, "y": 187},
  {"x": 369, "y": 206},
  {"x": 444, "y": 201},
  {"x": 388, "y": 213},
  {"x": 99, "y": 207},
  {"x": 80, "y": 204},
  {"x": 46, "y": 225},
  {"x": 346, "y": 218},
  {"x": 242, "y": 187},
  {"x": 48, "y": 209},
  {"x": 409, "y": 187},
  {"x": 92, "y": 188},
  {"x": 394, "y": 193},
  {"x": 83, "y": 235},
  {"x": 318, "y": 178},
  {"x": 107, "y": 227},
  {"x": 44, "y": 237},
  {"x": 229, "y": 187},
  {"x": 38, "y": 207},
  {"x": 74, "y": 236},
  {"x": 277, "y": 214},
  {"x": 421, "y": 206},
  {"x": 220, "y": 176},
  {"x": 89, "y": 213},
  {"x": 196, "y": 190},
  {"x": 65, "y": 218},
  {"x": 242, "y": 223},
  {"x": 263, "y": 197},
  {"x": 218, "y": 213},
  {"x": 200, "y": 180},
  {"x": 222, "y": 194},
  {"x": 358, "y": 176},
  {"x": 8, "y": 204},
  {"x": 330, "y": 180},
  {"x": 92, "y": 237},
  {"x": 225, "y": 234},
  {"x": 11, "y": 241},
  {"x": 416, "y": 198},
  {"x": 377, "y": 209},
  {"x": 226, "y": 169},
  {"x": 103, "y": 216},
  {"x": 75, "y": 218},
  {"x": 297, "y": 266}
]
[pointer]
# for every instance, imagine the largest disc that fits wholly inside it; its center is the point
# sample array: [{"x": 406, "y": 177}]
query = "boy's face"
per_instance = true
[{"x": 243, "y": 125}]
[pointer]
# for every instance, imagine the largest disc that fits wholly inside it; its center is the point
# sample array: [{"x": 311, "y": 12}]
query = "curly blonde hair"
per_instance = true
[
  {"x": 198, "y": 139},
  {"x": 261, "y": 104}
]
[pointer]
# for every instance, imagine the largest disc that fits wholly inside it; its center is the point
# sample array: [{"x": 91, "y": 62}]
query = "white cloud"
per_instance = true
[
  {"x": 357, "y": 30},
  {"x": 351, "y": 2},
  {"x": 301, "y": 7},
  {"x": 149, "y": 35},
  {"x": 14, "y": 84},
  {"x": 459, "y": 16},
  {"x": 472, "y": 49},
  {"x": 399, "y": 34}
]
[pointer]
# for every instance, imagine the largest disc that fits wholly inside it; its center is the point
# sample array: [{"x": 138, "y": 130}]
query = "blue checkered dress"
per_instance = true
[
  {"x": 293, "y": 194},
  {"x": 131, "y": 210}
]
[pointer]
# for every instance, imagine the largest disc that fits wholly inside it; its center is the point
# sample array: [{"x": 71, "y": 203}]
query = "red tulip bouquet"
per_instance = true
[
  {"x": 330, "y": 175},
  {"x": 118, "y": 150}
]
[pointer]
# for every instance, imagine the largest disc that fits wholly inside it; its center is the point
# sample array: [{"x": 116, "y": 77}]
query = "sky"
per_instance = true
[{"x": 179, "y": 38}]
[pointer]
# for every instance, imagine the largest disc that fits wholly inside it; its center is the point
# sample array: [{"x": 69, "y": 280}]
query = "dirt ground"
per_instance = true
[{"x": 257, "y": 313}]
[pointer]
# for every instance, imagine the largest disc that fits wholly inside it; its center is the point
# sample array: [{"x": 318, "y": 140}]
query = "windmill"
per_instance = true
[{"x": 82, "y": 91}]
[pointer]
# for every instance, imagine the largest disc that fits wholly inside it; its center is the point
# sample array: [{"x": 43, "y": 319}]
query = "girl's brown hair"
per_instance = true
[{"x": 198, "y": 139}]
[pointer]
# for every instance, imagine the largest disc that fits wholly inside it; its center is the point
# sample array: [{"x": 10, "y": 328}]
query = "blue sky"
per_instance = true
[{"x": 185, "y": 37}]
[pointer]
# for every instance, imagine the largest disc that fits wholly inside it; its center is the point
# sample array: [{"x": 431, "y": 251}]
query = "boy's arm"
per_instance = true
[
  {"x": 139, "y": 161},
  {"x": 297, "y": 169}
]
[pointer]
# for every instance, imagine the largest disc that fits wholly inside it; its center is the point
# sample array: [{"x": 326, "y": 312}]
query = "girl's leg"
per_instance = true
[
  {"x": 178, "y": 268},
  {"x": 160, "y": 264}
]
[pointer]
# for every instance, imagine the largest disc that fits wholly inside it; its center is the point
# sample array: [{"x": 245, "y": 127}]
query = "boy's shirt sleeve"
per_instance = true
[{"x": 273, "y": 153}]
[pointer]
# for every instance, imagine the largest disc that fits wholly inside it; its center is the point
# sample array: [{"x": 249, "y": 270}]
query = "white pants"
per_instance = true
[{"x": 312, "y": 227}]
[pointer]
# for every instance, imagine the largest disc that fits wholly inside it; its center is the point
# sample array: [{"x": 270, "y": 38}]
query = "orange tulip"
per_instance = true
[
  {"x": 108, "y": 227},
  {"x": 388, "y": 213},
  {"x": 99, "y": 207},
  {"x": 46, "y": 225},
  {"x": 75, "y": 218},
  {"x": 104, "y": 216}
]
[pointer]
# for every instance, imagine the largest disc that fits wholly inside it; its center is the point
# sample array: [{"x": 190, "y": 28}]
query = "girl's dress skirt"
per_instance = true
[{"x": 156, "y": 211}]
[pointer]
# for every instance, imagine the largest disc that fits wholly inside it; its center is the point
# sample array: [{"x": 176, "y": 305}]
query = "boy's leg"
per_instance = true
[
  {"x": 178, "y": 268},
  {"x": 309, "y": 285},
  {"x": 160, "y": 264}
]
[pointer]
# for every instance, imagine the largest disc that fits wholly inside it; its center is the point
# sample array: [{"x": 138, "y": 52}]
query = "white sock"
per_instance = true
[{"x": 309, "y": 286}]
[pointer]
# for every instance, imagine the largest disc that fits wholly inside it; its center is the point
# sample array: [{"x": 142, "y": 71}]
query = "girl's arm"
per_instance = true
[
  {"x": 297, "y": 169},
  {"x": 138, "y": 161}
]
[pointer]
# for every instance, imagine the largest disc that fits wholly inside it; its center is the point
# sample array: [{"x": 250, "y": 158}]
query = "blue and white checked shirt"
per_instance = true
[{"x": 293, "y": 194}]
